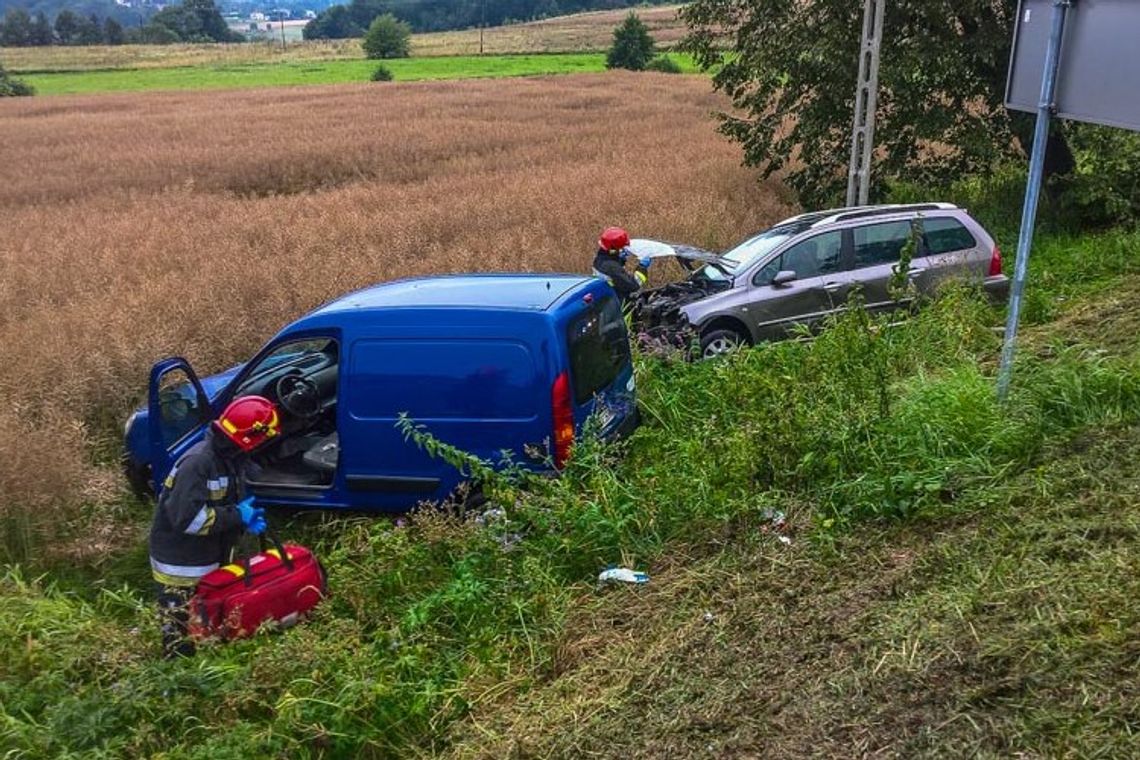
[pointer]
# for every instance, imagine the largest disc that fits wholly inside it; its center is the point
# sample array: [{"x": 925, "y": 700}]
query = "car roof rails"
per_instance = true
[{"x": 863, "y": 212}]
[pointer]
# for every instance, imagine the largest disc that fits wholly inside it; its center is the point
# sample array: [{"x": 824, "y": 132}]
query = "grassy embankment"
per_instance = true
[
  {"x": 961, "y": 576},
  {"x": 561, "y": 45}
]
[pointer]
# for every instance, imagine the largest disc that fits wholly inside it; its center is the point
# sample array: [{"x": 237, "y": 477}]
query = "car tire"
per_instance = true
[{"x": 720, "y": 342}]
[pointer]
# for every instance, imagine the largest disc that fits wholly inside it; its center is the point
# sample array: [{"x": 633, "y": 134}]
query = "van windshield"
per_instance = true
[{"x": 599, "y": 349}]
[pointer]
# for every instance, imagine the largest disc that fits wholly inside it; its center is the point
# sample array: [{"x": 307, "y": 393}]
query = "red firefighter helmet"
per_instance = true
[
  {"x": 249, "y": 421},
  {"x": 613, "y": 239}
]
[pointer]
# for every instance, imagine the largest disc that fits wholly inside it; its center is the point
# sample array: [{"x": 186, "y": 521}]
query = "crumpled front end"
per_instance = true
[{"x": 660, "y": 327}]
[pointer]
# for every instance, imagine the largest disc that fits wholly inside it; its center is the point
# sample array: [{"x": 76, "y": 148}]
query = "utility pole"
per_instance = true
[
  {"x": 866, "y": 101},
  {"x": 482, "y": 22},
  {"x": 282, "y": 17}
]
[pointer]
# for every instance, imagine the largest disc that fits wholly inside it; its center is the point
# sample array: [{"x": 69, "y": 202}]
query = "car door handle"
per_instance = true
[{"x": 831, "y": 287}]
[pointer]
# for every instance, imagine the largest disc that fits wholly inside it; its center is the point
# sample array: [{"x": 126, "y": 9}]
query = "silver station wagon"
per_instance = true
[{"x": 805, "y": 268}]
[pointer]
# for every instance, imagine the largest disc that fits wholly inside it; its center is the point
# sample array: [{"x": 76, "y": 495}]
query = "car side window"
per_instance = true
[
  {"x": 808, "y": 258},
  {"x": 946, "y": 234},
  {"x": 880, "y": 243}
]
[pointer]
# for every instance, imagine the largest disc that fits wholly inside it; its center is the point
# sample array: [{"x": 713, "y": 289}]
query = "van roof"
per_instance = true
[{"x": 521, "y": 292}]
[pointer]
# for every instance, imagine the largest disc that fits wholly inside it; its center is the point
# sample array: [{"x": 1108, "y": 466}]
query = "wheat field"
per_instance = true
[{"x": 138, "y": 226}]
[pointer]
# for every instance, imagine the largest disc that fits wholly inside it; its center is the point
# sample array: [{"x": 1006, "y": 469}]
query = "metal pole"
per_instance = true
[
  {"x": 866, "y": 102},
  {"x": 1045, "y": 107}
]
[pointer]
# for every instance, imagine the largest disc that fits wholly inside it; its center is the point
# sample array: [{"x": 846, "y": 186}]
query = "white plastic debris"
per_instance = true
[
  {"x": 774, "y": 518},
  {"x": 785, "y": 540},
  {"x": 709, "y": 617},
  {"x": 622, "y": 575}
]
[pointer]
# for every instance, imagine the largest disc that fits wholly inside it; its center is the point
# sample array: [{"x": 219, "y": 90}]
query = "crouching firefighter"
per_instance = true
[
  {"x": 203, "y": 509},
  {"x": 610, "y": 260}
]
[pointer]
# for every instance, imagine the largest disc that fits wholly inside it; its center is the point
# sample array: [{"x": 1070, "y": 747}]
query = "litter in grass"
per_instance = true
[{"x": 622, "y": 575}]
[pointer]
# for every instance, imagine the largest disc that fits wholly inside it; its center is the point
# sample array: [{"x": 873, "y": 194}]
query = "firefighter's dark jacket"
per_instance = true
[
  {"x": 196, "y": 521},
  {"x": 610, "y": 267}
]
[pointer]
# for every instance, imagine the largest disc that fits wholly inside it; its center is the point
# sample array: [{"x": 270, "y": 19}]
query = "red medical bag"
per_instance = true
[{"x": 279, "y": 585}]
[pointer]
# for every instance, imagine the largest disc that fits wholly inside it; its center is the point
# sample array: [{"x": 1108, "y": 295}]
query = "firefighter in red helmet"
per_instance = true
[
  {"x": 203, "y": 508},
  {"x": 610, "y": 260}
]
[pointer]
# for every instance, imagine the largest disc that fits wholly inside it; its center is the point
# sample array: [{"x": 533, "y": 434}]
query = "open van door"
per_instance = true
[{"x": 178, "y": 412}]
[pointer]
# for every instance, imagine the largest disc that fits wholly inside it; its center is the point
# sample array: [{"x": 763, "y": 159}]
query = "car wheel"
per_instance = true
[{"x": 721, "y": 342}]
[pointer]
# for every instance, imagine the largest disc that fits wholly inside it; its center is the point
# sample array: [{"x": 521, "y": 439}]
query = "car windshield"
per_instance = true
[{"x": 743, "y": 255}]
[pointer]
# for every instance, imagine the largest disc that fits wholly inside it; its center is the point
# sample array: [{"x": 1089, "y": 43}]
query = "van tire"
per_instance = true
[
  {"x": 466, "y": 500},
  {"x": 720, "y": 342}
]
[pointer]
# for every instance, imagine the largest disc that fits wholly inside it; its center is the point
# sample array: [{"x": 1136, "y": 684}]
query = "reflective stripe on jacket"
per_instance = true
[{"x": 196, "y": 520}]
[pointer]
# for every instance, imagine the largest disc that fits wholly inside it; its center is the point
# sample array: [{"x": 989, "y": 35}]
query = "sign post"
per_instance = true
[
  {"x": 1083, "y": 65},
  {"x": 1045, "y": 107}
]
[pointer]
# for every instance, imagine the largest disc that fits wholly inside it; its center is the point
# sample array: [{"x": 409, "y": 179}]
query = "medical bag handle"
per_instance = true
[{"x": 262, "y": 541}]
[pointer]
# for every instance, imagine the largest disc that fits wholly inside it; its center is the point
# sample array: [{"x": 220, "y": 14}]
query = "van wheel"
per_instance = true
[
  {"x": 466, "y": 500},
  {"x": 721, "y": 342}
]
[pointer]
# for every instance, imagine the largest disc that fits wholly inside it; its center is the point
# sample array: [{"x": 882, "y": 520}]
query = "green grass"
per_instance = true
[{"x": 314, "y": 73}]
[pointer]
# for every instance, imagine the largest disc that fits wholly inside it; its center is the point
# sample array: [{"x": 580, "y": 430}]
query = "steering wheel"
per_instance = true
[{"x": 299, "y": 396}]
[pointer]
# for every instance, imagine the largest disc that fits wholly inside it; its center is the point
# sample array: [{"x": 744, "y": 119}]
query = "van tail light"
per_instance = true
[
  {"x": 995, "y": 262},
  {"x": 563, "y": 409}
]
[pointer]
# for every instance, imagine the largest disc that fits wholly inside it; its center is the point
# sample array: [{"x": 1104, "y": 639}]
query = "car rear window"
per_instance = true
[
  {"x": 599, "y": 349},
  {"x": 880, "y": 243},
  {"x": 945, "y": 234},
  {"x": 443, "y": 379}
]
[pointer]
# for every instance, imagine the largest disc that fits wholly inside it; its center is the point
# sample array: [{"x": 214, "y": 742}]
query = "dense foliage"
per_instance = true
[
  {"x": 191, "y": 21},
  {"x": 792, "y": 72},
  {"x": 387, "y": 37},
  {"x": 128, "y": 16},
  {"x": 11, "y": 87},
  {"x": 633, "y": 45},
  {"x": 351, "y": 19}
]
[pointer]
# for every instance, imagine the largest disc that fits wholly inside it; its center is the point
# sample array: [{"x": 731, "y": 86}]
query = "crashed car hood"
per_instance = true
[{"x": 688, "y": 255}]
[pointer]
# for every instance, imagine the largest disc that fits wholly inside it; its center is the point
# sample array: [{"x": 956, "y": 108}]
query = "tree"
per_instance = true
[
  {"x": 113, "y": 32},
  {"x": 633, "y": 47},
  {"x": 41, "y": 31},
  {"x": 10, "y": 87},
  {"x": 192, "y": 21},
  {"x": 336, "y": 23},
  {"x": 90, "y": 31},
  {"x": 387, "y": 37},
  {"x": 792, "y": 72},
  {"x": 16, "y": 30},
  {"x": 67, "y": 26}
]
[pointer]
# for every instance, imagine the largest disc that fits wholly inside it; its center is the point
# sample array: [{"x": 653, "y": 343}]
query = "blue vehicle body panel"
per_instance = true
[{"x": 472, "y": 359}]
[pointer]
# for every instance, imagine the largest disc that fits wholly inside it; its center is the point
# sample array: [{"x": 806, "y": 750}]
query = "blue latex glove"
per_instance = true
[
  {"x": 251, "y": 517},
  {"x": 258, "y": 525},
  {"x": 624, "y": 255},
  {"x": 645, "y": 261}
]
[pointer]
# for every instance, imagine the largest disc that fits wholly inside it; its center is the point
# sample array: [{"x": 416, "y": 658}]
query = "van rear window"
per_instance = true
[
  {"x": 444, "y": 379},
  {"x": 599, "y": 349}
]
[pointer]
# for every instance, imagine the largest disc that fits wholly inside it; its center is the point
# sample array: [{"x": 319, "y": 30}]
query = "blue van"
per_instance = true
[{"x": 487, "y": 363}]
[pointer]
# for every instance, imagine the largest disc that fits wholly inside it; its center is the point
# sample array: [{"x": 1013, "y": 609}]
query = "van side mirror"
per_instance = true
[{"x": 783, "y": 277}]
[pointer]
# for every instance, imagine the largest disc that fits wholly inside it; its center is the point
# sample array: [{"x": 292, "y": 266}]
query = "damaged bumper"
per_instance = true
[{"x": 659, "y": 321}]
